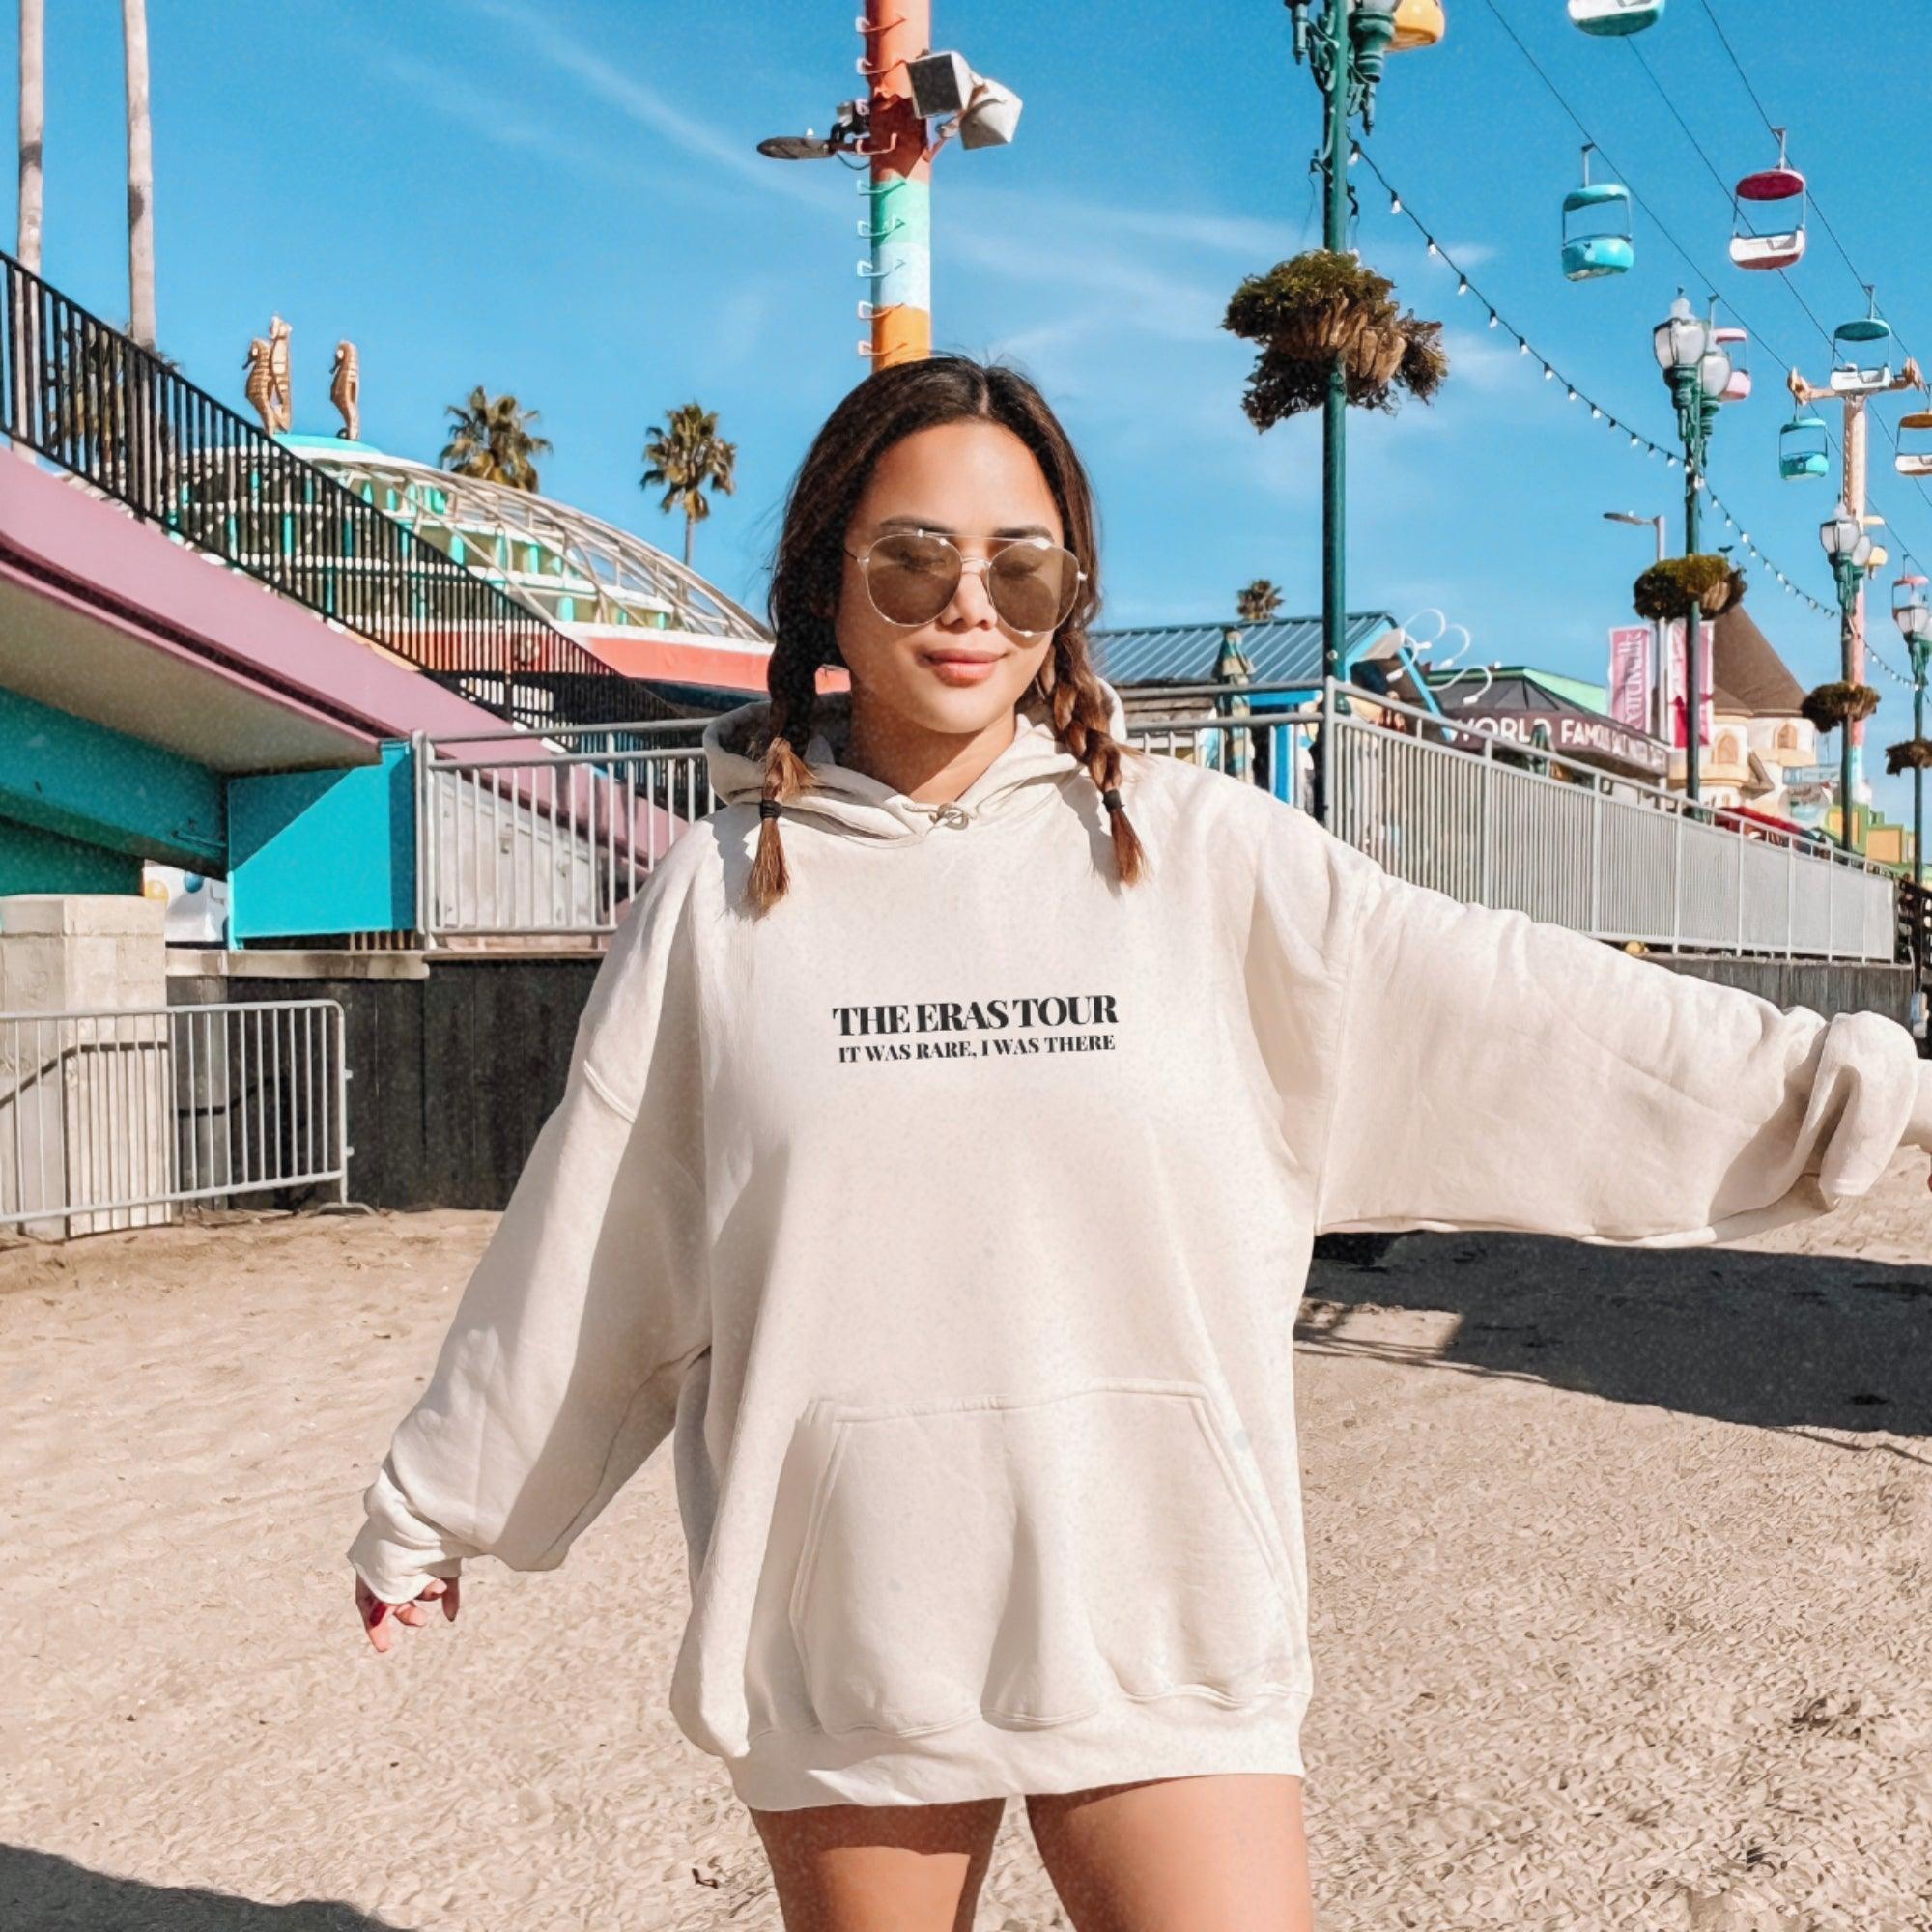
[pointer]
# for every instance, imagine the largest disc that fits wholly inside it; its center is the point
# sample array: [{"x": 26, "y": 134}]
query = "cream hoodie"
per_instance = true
[{"x": 952, "y": 1220}]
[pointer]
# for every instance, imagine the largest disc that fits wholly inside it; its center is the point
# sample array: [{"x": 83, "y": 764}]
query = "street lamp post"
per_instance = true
[
  {"x": 1915, "y": 621},
  {"x": 1848, "y": 545},
  {"x": 1697, "y": 369},
  {"x": 1658, "y": 704},
  {"x": 1345, "y": 50}
]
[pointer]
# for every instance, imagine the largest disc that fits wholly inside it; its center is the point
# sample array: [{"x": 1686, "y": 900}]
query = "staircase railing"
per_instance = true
[{"x": 98, "y": 404}]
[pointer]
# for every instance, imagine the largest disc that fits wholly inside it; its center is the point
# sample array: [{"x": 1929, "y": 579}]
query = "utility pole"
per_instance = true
[
  {"x": 908, "y": 83},
  {"x": 1852, "y": 592},
  {"x": 899, "y": 192}
]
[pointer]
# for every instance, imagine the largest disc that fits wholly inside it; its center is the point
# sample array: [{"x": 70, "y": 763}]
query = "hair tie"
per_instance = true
[
  {"x": 1110, "y": 798},
  {"x": 769, "y": 808}
]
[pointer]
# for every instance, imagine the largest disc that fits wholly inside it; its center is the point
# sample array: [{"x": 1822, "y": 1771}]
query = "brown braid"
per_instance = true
[
  {"x": 792, "y": 681},
  {"x": 1079, "y": 710}
]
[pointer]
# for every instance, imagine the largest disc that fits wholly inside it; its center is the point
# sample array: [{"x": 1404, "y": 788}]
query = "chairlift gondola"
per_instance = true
[
  {"x": 1803, "y": 447},
  {"x": 1775, "y": 247},
  {"x": 1855, "y": 345},
  {"x": 1596, "y": 228},
  {"x": 1735, "y": 344},
  {"x": 1914, "y": 445},
  {"x": 1615, "y": 17}
]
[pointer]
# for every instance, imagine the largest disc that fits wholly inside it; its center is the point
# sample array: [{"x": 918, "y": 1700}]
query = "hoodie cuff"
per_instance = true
[
  {"x": 394, "y": 1572},
  {"x": 1918, "y": 1128}
]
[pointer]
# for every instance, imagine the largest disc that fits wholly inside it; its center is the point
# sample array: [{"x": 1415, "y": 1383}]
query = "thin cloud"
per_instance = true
[{"x": 647, "y": 109}]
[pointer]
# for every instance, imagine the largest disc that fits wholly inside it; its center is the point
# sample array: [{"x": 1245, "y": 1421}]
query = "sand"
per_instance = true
[{"x": 1621, "y": 1571}]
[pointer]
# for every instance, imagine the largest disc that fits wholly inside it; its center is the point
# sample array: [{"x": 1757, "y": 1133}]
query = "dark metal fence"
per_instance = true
[{"x": 96, "y": 403}]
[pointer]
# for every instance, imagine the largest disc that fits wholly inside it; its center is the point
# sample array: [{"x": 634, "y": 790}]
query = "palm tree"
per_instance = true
[
  {"x": 491, "y": 440},
  {"x": 33, "y": 123},
  {"x": 1259, "y": 602},
  {"x": 686, "y": 458},
  {"x": 140, "y": 175}
]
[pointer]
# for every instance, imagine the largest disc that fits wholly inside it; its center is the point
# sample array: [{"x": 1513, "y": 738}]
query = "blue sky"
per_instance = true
[{"x": 562, "y": 198}]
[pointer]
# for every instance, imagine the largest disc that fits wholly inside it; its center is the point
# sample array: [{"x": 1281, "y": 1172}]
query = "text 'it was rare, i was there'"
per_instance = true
[{"x": 977, "y": 1029}]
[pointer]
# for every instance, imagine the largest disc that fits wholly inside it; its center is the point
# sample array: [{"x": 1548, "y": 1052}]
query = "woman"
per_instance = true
[{"x": 943, "y": 1143}]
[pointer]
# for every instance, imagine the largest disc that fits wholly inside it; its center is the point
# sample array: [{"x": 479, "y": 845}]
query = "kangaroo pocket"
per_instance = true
[{"x": 1029, "y": 1560}]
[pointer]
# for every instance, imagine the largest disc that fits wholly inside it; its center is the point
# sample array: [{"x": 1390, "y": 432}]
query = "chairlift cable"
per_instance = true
[
  {"x": 1762, "y": 341},
  {"x": 1401, "y": 206},
  {"x": 1731, "y": 53}
]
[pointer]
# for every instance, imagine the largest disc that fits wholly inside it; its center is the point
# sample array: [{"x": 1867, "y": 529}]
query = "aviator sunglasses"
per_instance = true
[{"x": 911, "y": 575}]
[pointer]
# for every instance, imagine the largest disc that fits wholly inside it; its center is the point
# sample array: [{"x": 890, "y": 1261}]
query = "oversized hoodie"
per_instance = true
[{"x": 950, "y": 1220}]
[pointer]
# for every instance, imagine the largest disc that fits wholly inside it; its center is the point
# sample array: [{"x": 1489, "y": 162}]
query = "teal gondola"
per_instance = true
[
  {"x": 1615, "y": 17},
  {"x": 1803, "y": 449},
  {"x": 1596, "y": 228},
  {"x": 1862, "y": 352}
]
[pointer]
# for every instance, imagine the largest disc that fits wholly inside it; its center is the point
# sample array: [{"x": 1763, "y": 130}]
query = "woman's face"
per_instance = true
[{"x": 976, "y": 483}]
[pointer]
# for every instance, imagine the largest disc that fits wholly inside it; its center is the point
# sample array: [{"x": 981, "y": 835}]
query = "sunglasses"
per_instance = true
[{"x": 911, "y": 576}]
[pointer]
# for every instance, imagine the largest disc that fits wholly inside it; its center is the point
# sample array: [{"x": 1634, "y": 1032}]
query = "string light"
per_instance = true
[{"x": 1463, "y": 286}]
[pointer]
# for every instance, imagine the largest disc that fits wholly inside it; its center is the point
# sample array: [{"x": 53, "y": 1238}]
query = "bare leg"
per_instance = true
[
  {"x": 880, "y": 1867},
  {"x": 1212, "y": 1854}
]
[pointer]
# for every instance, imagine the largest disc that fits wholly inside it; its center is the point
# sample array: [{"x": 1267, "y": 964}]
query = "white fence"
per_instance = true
[
  {"x": 533, "y": 835},
  {"x": 1616, "y": 858},
  {"x": 528, "y": 835},
  {"x": 111, "y": 1116}
]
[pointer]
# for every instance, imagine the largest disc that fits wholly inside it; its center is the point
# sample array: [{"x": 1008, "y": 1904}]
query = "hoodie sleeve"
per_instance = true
[
  {"x": 560, "y": 1369},
  {"x": 1487, "y": 1070}
]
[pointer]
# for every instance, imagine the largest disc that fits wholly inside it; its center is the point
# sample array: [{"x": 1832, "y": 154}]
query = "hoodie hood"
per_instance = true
[{"x": 867, "y": 807}]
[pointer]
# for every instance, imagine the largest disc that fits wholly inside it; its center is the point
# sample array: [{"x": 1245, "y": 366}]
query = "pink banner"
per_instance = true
[
  {"x": 1707, "y": 644},
  {"x": 1630, "y": 676}
]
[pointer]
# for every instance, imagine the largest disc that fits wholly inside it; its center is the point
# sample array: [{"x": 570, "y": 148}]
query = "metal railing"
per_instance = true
[
  {"x": 531, "y": 837},
  {"x": 1223, "y": 728},
  {"x": 1442, "y": 803},
  {"x": 113, "y": 1117},
  {"x": 98, "y": 404}
]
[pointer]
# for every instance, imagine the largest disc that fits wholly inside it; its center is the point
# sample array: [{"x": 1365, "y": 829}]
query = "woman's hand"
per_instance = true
[{"x": 373, "y": 1612}]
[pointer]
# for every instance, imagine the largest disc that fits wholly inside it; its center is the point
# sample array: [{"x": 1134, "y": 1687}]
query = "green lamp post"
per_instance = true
[
  {"x": 1848, "y": 545},
  {"x": 1697, "y": 369},
  {"x": 1345, "y": 50},
  {"x": 1915, "y": 622}
]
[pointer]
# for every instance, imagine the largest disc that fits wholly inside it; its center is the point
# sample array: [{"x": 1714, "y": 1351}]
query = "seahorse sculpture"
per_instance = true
[
  {"x": 267, "y": 386},
  {"x": 344, "y": 389}
]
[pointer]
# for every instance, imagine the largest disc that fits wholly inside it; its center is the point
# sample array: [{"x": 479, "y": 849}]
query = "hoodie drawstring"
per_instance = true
[{"x": 945, "y": 810}]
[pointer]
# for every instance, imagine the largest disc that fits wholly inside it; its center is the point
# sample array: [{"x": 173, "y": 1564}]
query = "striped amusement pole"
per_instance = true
[{"x": 898, "y": 194}]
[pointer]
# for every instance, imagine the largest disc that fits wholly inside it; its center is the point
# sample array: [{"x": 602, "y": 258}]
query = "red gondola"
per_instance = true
[{"x": 1780, "y": 247}]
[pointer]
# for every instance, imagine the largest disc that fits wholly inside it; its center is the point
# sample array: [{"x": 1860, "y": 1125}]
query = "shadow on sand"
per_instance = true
[
  {"x": 41, "y": 1891},
  {"x": 1784, "y": 1341}
]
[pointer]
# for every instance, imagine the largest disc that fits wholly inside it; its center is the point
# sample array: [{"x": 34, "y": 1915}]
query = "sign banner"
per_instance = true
[
  {"x": 1588, "y": 738},
  {"x": 1678, "y": 679},
  {"x": 1630, "y": 675}
]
